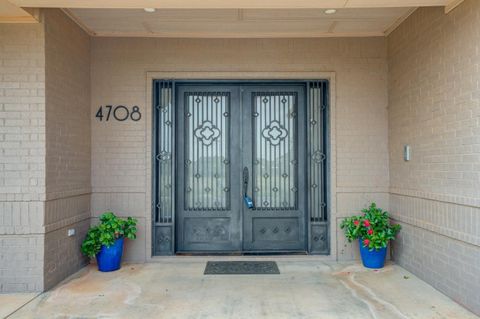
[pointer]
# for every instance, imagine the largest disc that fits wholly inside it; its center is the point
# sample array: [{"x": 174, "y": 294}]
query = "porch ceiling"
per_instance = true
[
  {"x": 239, "y": 23},
  {"x": 234, "y": 18},
  {"x": 231, "y": 4}
]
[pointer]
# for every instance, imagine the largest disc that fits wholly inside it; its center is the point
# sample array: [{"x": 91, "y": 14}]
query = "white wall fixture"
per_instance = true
[{"x": 406, "y": 153}]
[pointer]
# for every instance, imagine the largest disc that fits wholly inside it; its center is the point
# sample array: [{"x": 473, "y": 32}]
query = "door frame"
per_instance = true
[{"x": 248, "y": 77}]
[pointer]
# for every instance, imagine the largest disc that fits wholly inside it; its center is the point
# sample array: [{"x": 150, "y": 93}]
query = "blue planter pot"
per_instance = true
[
  {"x": 110, "y": 258},
  {"x": 372, "y": 259}
]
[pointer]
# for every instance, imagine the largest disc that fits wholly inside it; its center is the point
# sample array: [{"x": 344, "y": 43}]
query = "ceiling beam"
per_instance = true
[
  {"x": 452, "y": 5},
  {"x": 399, "y": 21},
  {"x": 239, "y": 35},
  {"x": 223, "y": 4},
  {"x": 9, "y": 13},
  {"x": 78, "y": 22}
]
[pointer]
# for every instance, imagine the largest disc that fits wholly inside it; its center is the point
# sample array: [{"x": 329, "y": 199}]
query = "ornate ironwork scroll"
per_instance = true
[
  {"x": 207, "y": 145},
  {"x": 317, "y": 165},
  {"x": 275, "y": 150},
  {"x": 163, "y": 163}
]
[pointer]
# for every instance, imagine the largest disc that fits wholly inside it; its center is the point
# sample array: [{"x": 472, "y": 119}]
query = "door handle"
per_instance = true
[{"x": 247, "y": 199}]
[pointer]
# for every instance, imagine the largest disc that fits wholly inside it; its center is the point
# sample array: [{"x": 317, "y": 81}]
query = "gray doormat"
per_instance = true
[{"x": 241, "y": 268}]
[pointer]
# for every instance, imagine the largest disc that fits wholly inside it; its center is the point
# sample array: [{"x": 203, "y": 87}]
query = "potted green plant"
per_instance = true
[
  {"x": 374, "y": 231},
  {"x": 105, "y": 240}
]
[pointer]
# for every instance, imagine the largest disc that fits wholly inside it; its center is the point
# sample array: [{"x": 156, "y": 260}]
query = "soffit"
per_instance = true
[{"x": 246, "y": 23}]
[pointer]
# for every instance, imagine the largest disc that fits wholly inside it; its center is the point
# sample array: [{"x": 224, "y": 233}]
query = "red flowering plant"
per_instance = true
[{"x": 373, "y": 228}]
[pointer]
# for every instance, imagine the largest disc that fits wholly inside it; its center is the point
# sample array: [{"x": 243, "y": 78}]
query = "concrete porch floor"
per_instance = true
[{"x": 307, "y": 287}]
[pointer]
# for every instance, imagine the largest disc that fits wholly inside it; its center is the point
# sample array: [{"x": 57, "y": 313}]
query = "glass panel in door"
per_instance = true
[
  {"x": 274, "y": 153},
  {"x": 208, "y": 204}
]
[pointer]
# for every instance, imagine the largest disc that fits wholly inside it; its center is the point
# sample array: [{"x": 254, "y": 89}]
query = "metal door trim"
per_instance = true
[{"x": 163, "y": 233}]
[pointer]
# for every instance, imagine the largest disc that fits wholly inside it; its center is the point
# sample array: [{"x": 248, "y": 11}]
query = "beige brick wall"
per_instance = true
[
  {"x": 434, "y": 106},
  {"x": 67, "y": 54},
  {"x": 22, "y": 98},
  {"x": 68, "y": 157},
  {"x": 44, "y": 152},
  {"x": 59, "y": 164},
  {"x": 120, "y": 170},
  {"x": 22, "y": 154},
  {"x": 119, "y": 173}
]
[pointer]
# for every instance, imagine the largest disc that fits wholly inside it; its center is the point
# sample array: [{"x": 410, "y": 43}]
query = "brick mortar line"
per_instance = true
[
  {"x": 57, "y": 225},
  {"x": 22, "y": 201},
  {"x": 133, "y": 216},
  {"x": 123, "y": 192},
  {"x": 52, "y": 196},
  {"x": 66, "y": 222},
  {"x": 473, "y": 240},
  {"x": 113, "y": 192},
  {"x": 48, "y": 199},
  {"x": 362, "y": 192},
  {"x": 448, "y": 199},
  {"x": 24, "y": 235},
  {"x": 61, "y": 195}
]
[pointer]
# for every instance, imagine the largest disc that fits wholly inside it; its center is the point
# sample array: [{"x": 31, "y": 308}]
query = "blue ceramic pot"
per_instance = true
[
  {"x": 372, "y": 258},
  {"x": 110, "y": 258}
]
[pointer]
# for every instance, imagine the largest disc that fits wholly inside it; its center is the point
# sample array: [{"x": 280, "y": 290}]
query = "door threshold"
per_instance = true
[
  {"x": 208, "y": 254},
  {"x": 245, "y": 253},
  {"x": 275, "y": 253}
]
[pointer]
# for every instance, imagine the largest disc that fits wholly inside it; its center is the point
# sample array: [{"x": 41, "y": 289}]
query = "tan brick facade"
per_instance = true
[
  {"x": 120, "y": 150},
  {"x": 68, "y": 186},
  {"x": 60, "y": 166},
  {"x": 45, "y": 151},
  {"x": 434, "y": 106},
  {"x": 22, "y": 157}
]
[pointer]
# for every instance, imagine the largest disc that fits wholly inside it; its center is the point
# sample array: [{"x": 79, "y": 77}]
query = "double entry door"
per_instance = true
[{"x": 240, "y": 173}]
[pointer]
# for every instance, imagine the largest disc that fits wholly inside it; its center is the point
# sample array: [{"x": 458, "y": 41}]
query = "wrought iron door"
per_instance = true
[
  {"x": 208, "y": 175},
  {"x": 274, "y": 139},
  {"x": 239, "y": 166},
  {"x": 227, "y": 134}
]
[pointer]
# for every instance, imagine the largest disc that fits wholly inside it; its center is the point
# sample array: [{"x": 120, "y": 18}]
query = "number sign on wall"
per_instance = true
[{"x": 120, "y": 113}]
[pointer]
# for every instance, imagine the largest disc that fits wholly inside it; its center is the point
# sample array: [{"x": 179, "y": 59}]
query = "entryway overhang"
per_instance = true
[
  {"x": 227, "y": 19},
  {"x": 219, "y": 4},
  {"x": 160, "y": 240}
]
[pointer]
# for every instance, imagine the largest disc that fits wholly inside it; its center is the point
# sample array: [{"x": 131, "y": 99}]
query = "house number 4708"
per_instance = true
[{"x": 120, "y": 113}]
